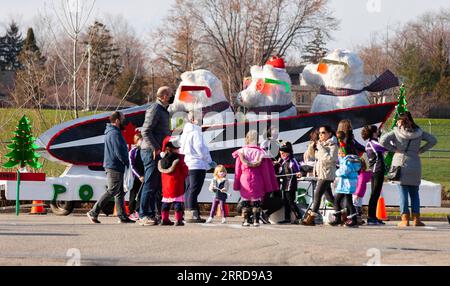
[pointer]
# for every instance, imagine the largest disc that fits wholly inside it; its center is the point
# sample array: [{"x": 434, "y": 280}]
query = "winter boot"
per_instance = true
[
  {"x": 179, "y": 218},
  {"x": 416, "y": 220},
  {"x": 165, "y": 219},
  {"x": 256, "y": 215},
  {"x": 337, "y": 219},
  {"x": 189, "y": 216},
  {"x": 246, "y": 215},
  {"x": 405, "y": 221},
  {"x": 309, "y": 220}
]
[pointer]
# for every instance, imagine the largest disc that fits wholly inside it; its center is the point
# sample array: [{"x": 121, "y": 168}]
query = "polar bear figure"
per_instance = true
[
  {"x": 268, "y": 93},
  {"x": 340, "y": 76},
  {"x": 201, "y": 91}
]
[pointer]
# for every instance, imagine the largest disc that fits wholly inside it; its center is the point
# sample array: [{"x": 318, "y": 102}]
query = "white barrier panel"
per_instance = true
[
  {"x": 430, "y": 193},
  {"x": 82, "y": 188}
]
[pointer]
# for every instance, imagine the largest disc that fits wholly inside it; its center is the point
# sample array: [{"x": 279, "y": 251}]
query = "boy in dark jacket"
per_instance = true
[{"x": 289, "y": 171}]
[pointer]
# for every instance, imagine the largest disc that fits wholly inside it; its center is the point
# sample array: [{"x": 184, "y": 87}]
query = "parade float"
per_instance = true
[{"x": 267, "y": 97}]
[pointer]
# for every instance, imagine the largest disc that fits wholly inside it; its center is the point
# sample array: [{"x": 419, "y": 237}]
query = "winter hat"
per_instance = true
[
  {"x": 276, "y": 62},
  {"x": 287, "y": 147},
  {"x": 168, "y": 142}
]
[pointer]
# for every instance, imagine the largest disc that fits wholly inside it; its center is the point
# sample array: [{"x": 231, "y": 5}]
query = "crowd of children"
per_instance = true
[{"x": 261, "y": 174}]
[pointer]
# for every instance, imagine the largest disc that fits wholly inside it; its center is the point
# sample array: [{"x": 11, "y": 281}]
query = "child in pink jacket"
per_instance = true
[{"x": 254, "y": 177}]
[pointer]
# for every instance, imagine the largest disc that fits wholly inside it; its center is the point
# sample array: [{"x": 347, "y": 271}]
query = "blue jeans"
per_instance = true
[
  {"x": 151, "y": 190},
  {"x": 413, "y": 193}
]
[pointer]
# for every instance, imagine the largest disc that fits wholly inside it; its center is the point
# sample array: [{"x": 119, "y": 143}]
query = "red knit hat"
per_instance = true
[
  {"x": 276, "y": 62},
  {"x": 168, "y": 142}
]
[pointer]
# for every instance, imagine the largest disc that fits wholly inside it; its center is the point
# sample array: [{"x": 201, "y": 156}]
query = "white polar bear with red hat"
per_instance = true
[
  {"x": 340, "y": 77},
  {"x": 268, "y": 92},
  {"x": 201, "y": 91}
]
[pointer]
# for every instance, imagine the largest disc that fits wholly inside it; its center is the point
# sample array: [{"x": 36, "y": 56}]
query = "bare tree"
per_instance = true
[
  {"x": 246, "y": 32},
  {"x": 176, "y": 42},
  {"x": 72, "y": 16}
]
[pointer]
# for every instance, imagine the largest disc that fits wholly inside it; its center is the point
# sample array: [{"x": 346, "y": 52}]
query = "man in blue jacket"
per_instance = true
[{"x": 115, "y": 161}]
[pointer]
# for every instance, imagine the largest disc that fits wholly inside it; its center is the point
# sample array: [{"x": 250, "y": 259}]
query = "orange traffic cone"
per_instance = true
[
  {"x": 38, "y": 210},
  {"x": 127, "y": 210},
  {"x": 381, "y": 209}
]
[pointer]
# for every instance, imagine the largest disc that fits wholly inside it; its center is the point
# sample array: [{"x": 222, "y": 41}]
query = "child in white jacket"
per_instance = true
[{"x": 198, "y": 160}]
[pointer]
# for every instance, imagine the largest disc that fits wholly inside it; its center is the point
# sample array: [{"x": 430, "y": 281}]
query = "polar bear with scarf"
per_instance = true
[
  {"x": 268, "y": 92},
  {"x": 340, "y": 77}
]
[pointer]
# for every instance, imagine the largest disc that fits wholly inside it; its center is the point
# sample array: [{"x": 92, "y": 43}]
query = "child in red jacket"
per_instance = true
[{"x": 173, "y": 174}]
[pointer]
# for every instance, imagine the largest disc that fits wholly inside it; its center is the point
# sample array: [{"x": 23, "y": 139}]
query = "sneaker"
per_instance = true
[
  {"x": 146, "y": 221},
  {"x": 381, "y": 222},
  {"x": 179, "y": 223},
  {"x": 374, "y": 221},
  {"x": 256, "y": 224},
  {"x": 224, "y": 220},
  {"x": 92, "y": 218},
  {"x": 209, "y": 220},
  {"x": 134, "y": 216},
  {"x": 263, "y": 218},
  {"x": 246, "y": 223},
  {"x": 125, "y": 220}
]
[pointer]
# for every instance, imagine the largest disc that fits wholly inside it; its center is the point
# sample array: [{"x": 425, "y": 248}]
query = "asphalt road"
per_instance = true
[{"x": 52, "y": 240}]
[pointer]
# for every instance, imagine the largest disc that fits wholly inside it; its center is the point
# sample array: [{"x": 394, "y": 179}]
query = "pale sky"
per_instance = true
[{"x": 359, "y": 18}]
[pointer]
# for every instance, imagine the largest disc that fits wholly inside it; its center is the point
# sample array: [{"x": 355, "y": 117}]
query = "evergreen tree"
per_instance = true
[
  {"x": 105, "y": 57},
  {"x": 134, "y": 85},
  {"x": 10, "y": 47},
  {"x": 32, "y": 76},
  {"x": 315, "y": 50}
]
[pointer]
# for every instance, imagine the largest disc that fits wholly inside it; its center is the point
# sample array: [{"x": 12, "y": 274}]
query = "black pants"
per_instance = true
[
  {"x": 177, "y": 206},
  {"x": 194, "y": 184},
  {"x": 135, "y": 196},
  {"x": 290, "y": 205},
  {"x": 348, "y": 203},
  {"x": 377, "y": 184},
  {"x": 323, "y": 188}
]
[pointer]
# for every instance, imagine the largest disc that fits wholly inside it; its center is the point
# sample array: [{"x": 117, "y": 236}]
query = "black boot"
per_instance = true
[{"x": 337, "y": 219}]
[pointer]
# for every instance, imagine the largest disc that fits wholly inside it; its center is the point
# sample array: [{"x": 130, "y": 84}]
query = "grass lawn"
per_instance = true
[{"x": 41, "y": 122}]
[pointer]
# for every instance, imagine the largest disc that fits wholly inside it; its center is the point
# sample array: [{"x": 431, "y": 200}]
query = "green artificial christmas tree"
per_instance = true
[
  {"x": 402, "y": 107},
  {"x": 23, "y": 148},
  {"x": 22, "y": 153}
]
